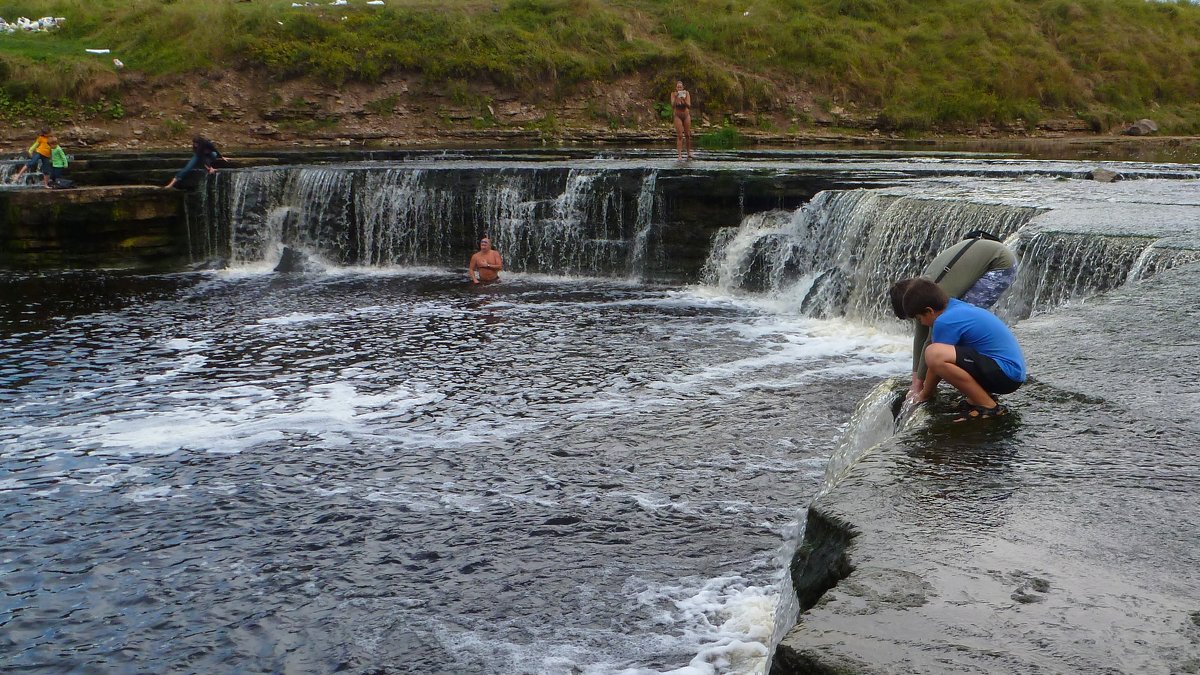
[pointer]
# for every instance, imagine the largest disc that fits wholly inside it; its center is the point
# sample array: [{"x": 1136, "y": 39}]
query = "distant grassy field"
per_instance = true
[{"x": 920, "y": 64}]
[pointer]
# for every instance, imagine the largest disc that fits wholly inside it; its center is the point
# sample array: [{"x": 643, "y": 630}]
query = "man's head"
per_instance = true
[
  {"x": 924, "y": 301},
  {"x": 485, "y": 244}
]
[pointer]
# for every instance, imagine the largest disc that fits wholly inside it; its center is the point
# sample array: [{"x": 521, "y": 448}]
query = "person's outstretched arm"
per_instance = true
[{"x": 920, "y": 342}]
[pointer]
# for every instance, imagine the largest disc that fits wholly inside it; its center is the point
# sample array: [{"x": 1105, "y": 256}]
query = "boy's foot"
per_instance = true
[
  {"x": 978, "y": 412},
  {"x": 965, "y": 406}
]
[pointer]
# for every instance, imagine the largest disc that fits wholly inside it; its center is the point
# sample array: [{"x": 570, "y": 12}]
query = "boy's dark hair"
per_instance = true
[
  {"x": 896, "y": 295},
  {"x": 44, "y": 131},
  {"x": 923, "y": 294}
]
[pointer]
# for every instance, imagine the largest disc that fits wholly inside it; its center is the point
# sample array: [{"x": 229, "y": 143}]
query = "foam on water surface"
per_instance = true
[{"x": 454, "y": 431}]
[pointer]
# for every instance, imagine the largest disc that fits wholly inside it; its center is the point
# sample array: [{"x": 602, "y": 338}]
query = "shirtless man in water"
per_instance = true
[{"x": 486, "y": 263}]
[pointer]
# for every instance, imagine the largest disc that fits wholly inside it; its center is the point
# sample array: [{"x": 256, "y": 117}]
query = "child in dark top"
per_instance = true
[
  {"x": 969, "y": 347},
  {"x": 204, "y": 153}
]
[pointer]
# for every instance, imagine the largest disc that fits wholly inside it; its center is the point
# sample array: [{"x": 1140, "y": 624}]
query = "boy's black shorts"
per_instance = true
[{"x": 985, "y": 371}]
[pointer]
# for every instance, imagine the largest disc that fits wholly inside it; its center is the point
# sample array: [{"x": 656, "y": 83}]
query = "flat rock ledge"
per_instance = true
[{"x": 1061, "y": 539}]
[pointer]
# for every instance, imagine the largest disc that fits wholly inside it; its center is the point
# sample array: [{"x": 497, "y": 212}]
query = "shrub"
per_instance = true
[{"x": 725, "y": 138}]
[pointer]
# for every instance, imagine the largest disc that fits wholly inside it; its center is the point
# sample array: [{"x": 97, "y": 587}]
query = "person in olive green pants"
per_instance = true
[{"x": 976, "y": 270}]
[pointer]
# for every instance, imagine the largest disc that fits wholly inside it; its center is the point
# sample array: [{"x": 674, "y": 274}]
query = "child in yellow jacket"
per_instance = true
[{"x": 39, "y": 155}]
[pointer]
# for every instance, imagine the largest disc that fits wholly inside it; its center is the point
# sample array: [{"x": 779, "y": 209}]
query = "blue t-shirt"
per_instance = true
[{"x": 979, "y": 329}]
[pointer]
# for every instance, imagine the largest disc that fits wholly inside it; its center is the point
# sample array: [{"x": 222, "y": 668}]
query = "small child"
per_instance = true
[
  {"x": 39, "y": 155},
  {"x": 58, "y": 162}
]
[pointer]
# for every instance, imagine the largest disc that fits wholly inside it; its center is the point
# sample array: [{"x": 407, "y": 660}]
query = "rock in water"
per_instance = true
[
  {"x": 293, "y": 260},
  {"x": 1104, "y": 175}
]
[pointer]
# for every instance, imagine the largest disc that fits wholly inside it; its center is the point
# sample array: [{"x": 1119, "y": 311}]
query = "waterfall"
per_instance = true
[
  {"x": 403, "y": 219},
  {"x": 838, "y": 254},
  {"x": 1058, "y": 268},
  {"x": 1156, "y": 258},
  {"x": 644, "y": 227},
  {"x": 555, "y": 220},
  {"x": 577, "y": 230},
  {"x": 8, "y": 169}
]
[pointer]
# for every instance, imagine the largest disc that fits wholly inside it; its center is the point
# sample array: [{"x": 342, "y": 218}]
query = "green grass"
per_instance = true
[
  {"x": 725, "y": 138},
  {"x": 923, "y": 64}
]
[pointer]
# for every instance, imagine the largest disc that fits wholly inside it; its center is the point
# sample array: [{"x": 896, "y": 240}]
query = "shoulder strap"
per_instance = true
[{"x": 946, "y": 269}]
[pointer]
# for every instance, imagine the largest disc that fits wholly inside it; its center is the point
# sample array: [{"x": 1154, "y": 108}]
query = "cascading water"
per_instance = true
[
  {"x": 644, "y": 227},
  {"x": 838, "y": 254},
  {"x": 576, "y": 221},
  {"x": 402, "y": 220},
  {"x": 540, "y": 478},
  {"x": 7, "y": 170},
  {"x": 574, "y": 231},
  {"x": 1155, "y": 259},
  {"x": 1058, "y": 268}
]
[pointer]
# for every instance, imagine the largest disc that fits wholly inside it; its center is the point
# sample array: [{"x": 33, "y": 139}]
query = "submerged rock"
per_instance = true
[
  {"x": 295, "y": 261},
  {"x": 1104, "y": 175}
]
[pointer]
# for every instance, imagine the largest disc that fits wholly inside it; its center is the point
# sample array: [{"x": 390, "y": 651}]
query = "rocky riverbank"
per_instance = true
[{"x": 1059, "y": 540}]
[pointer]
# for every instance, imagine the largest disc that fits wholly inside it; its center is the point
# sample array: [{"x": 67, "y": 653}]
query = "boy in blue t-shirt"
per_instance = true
[{"x": 969, "y": 347}]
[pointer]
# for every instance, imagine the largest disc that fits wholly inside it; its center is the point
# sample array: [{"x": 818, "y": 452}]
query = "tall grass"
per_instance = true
[{"x": 919, "y": 63}]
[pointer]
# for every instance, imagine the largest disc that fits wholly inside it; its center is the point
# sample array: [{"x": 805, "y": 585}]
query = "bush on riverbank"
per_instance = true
[{"x": 903, "y": 64}]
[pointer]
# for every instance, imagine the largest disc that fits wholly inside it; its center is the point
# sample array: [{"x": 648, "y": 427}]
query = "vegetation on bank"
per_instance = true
[{"x": 911, "y": 64}]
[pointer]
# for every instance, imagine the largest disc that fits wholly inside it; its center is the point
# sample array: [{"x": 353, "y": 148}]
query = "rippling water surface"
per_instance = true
[{"x": 395, "y": 472}]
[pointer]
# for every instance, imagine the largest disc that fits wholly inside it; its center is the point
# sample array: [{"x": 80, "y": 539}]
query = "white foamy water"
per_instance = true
[{"x": 548, "y": 459}]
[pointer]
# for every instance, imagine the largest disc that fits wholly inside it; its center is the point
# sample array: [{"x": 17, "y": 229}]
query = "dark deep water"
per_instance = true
[{"x": 390, "y": 471}]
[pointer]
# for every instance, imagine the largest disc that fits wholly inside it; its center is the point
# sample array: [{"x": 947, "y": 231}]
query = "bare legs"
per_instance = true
[
  {"x": 25, "y": 167},
  {"x": 683, "y": 134},
  {"x": 940, "y": 358}
]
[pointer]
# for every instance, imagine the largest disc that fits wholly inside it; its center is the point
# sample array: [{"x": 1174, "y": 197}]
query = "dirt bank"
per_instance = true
[{"x": 243, "y": 110}]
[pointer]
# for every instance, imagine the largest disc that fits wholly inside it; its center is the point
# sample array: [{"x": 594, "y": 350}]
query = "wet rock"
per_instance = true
[
  {"x": 1050, "y": 542},
  {"x": 294, "y": 261},
  {"x": 1103, "y": 175},
  {"x": 121, "y": 227}
]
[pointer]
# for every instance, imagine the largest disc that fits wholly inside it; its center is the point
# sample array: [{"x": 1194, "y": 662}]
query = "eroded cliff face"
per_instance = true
[
  {"x": 1058, "y": 539},
  {"x": 93, "y": 227}
]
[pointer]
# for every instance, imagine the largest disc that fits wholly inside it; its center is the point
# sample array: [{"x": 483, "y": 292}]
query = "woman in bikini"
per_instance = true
[{"x": 681, "y": 103}]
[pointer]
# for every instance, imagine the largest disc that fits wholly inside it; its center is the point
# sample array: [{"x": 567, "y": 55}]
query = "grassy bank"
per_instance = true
[{"x": 908, "y": 64}]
